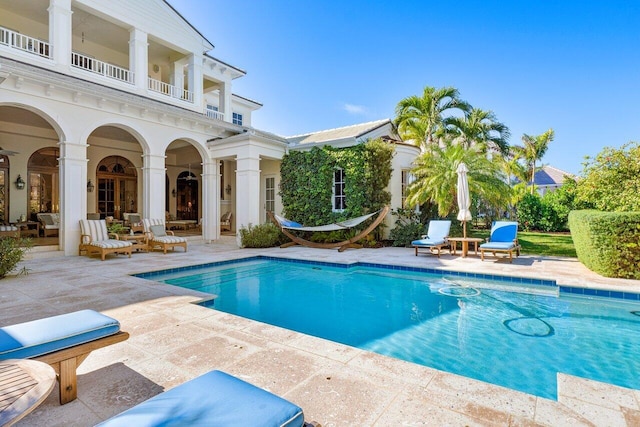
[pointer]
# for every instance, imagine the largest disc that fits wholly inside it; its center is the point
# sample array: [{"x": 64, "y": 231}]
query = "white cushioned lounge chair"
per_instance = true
[
  {"x": 96, "y": 240},
  {"x": 436, "y": 238},
  {"x": 50, "y": 223},
  {"x": 159, "y": 236},
  {"x": 503, "y": 238}
]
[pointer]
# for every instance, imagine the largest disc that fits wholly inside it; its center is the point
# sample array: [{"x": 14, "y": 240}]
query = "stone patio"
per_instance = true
[{"x": 173, "y": 340}]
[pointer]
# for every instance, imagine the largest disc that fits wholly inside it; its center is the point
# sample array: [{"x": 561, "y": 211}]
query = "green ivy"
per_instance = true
[{"x": 307, "y": 180}]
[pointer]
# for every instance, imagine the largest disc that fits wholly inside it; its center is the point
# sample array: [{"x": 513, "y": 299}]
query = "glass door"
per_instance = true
[
  {"x": 269, "y": 196},
  {"x": 106, "y": 197}
]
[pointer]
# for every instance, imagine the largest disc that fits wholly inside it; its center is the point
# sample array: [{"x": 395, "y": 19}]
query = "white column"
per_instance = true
[
  {"x": 194, "y": 76},
  {"x": 177, "y": 74},
  {"x": 153, "y": 186},
  {"x": 60, "y": 31},
  {"x": 247, "y": 192},
  {"x": 225, "y": 101},
  {"x": 138, "y": 57},
  {"x": 210, "y": 200},
  {"x": 73, "y": 194}
]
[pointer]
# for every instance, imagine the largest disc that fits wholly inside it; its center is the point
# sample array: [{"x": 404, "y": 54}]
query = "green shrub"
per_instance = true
[
  {"x": 261, "y": 236},
  {"x": 529, "y": 211},
  {"x": 607, "y": 242},
  {"x": 408, "y": 227},
  {"x": 11, "y": 253}
]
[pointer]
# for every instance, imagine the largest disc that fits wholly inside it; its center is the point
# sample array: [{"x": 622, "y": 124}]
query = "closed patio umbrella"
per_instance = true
[{"x": 464, "y": 201}]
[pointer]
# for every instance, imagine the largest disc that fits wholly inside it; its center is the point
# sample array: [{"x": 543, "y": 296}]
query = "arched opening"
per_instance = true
[
  {"x": 43, "y": 181},
  {"x": 117, "y": 189},
  {"x": 187, "y": 196}
]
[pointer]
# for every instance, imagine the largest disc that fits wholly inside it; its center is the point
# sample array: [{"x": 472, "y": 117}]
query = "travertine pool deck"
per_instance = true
[{"x": 173, "y": 340}]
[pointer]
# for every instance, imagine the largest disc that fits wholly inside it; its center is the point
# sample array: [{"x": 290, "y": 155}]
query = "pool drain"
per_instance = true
[
  {"x": 458, "y": 291},
  {"x": 529, "y": 327}
]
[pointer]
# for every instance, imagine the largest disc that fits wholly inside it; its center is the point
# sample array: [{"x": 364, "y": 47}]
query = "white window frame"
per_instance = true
[
  {"x": 237, "y": 118},
  {"x": 338, "y": 196}
]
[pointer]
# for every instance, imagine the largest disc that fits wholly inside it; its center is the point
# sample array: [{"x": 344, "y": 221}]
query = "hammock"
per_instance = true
[{"x": 285, "y": 225}]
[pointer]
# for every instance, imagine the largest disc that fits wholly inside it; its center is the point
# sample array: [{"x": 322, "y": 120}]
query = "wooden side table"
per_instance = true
[
  {"x": 138, "y": 240},
  {"x": 24, "y": 384},
  {"x": 465, "y": 244},
  {"x": 29, "y": 228}
]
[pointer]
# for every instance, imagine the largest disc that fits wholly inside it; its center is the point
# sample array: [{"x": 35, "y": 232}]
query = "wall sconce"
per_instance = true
[
  {"x": 20, "y": 183},
  {"x": 90, "y": 187},
  {"x": 227, "y": 189},
  {"x": 173, "y": 192}
]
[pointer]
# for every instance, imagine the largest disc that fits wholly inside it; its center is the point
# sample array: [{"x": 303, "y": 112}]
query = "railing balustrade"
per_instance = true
[
  {"x": 212, "y": 114},
  {"x": 93, "y": 65},
  {"x": 24, "y": 43},
  {"x": 170, "y": 90}
]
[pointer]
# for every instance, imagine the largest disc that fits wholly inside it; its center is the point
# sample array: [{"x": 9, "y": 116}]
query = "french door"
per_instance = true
[
  {"x": 117, "y": 196},
  {"x": 269, "y": 196}
]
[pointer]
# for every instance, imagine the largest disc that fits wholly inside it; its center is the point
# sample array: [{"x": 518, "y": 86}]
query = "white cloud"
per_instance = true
[{"x": 354, "y": 109}]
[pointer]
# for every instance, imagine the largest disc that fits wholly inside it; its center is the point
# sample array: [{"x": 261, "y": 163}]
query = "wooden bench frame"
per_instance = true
[{"x": 66, "y": 361}]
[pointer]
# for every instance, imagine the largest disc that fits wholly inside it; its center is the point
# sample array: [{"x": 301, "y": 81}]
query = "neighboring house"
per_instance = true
[
  {"x": 348, "y": 136},
  {"x": 116, "y": 107},
  {"x": 549, "y": 179}
]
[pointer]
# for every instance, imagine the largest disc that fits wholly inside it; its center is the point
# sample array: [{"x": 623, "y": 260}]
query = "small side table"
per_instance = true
[
  {"x": 29, "y": 228},
  {"x": 24, "y": 384},
  {"x": 138, "y": 240},
  {"x": 465, "y": 244}
]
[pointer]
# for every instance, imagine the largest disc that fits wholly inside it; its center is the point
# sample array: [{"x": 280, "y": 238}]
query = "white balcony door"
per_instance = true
[{"x": 269, "y": 195}]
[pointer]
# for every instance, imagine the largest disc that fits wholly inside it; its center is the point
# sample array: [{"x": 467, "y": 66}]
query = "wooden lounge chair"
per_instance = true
[
  {"x": 436, "y": 237},
  {"x": 63, "y": 342},
  {"x": 503, "y": 238},
  {"x": 50, "y": 223},
  {"x": 225, "y": 221},
  {"x": 287, "y": 226},
  {"x": 215, "y": 398},
  {"x": 96, "y": 240},
  {"x": 159, "y": 236}
]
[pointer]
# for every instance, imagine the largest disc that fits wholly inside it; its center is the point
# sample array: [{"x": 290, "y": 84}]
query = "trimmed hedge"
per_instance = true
[{"x": 607, "y": 242}]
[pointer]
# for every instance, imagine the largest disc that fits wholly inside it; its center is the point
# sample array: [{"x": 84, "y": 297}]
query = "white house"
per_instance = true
[{"x": 118, "y": 107}]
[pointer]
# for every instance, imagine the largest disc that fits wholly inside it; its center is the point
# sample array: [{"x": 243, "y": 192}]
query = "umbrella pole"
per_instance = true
[{"x": 464, "y": 229}]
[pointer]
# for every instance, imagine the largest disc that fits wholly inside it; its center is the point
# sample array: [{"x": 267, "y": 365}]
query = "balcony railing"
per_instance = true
[
  {"x": 93, "y": 65},
  {"x": 24, "y": 43},
  {"x": 212, "y": 114},
  {"x": 170, "y": 90}
]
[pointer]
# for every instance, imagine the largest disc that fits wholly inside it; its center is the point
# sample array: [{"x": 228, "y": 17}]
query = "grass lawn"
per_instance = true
[{"x": 550, "y": 244}]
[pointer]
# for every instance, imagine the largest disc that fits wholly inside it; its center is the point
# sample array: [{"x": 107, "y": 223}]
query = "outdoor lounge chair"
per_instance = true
[
  {"x": 96, "y": 240},
  {"x": 50, "y": 223},
  {"x": 436, "y": 237},
  {"x": 503, "y": 238},
  {"x": 159, "y": 236},
  {"x": 287, "y": 226},
  {"x": 63, "y": 342},
  {"x": 213, "y": 399},
  {"x": 225, "y": 221}
]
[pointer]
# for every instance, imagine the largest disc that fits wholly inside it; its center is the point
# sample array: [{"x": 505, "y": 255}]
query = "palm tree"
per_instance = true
[
  {"x": 419, "y": 118},
  {"x": 480, "y": 127},
  {"x": 533, "y": 150},
  {"x": 436, "y": 178}
]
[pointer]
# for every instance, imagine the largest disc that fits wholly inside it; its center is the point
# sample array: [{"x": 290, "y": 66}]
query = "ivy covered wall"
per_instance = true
[{"x": 306, "y": 181}]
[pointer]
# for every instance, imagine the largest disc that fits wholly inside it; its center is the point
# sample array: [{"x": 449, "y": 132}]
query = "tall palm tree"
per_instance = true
[
  {"x": 481, "y": 127},
  {"x": 419, "y": 118},
  {"x": 533, "y": 149},
  {"x": 436, "y": 178}
]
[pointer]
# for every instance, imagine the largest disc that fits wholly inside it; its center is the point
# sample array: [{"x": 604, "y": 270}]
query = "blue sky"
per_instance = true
[{"x": 573, "y": 66}]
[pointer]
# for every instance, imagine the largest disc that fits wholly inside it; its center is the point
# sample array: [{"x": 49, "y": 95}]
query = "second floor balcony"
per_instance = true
[{"x": 24, "y": 43}]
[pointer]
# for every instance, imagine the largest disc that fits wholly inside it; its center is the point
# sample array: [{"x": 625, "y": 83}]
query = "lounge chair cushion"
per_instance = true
[
  {"x": 213, "y": 399},
  {"x": 8, "y": 228},
  {"x": 158, "y": 230},
  {"x": 168, "y": 239},
  {"x": 111, "y": 244},
  {"x": 503, "y": 246},
  {"x": 42, "y": 336},
  {"x": 428, "y": 242}
]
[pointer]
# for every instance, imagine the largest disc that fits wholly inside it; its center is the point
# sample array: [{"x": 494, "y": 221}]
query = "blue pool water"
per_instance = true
[{"x": 468, "y": 326}]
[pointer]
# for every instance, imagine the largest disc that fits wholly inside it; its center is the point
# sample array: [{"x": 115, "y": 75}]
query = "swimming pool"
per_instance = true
[{"x": 517, "y": 333}]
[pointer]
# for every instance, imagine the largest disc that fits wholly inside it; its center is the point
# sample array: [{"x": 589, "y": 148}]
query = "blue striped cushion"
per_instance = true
[{"x": 42, "y": 336}]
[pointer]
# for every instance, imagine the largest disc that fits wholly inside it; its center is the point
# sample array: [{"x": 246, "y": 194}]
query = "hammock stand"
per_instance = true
[{"x": 285, "y": 225}]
